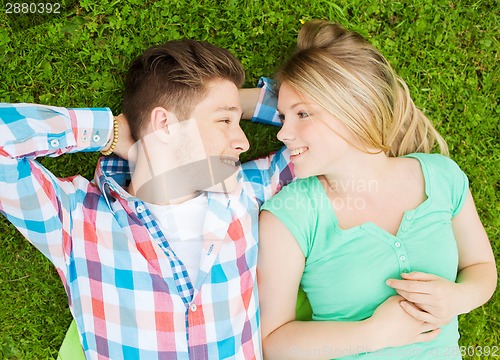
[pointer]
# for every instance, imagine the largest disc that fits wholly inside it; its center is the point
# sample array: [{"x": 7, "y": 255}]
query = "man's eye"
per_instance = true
[
  {"x": 303, "y": 114},
  {"x": 227, "y": 121}
]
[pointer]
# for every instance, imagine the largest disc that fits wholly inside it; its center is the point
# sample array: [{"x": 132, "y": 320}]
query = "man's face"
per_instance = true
[
  {"x": 200, "y": 153},
  {"x": 218, "y": 119}
]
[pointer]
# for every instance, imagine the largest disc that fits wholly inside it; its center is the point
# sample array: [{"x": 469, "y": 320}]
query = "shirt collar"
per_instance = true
[{"x": 113, "y": 174}]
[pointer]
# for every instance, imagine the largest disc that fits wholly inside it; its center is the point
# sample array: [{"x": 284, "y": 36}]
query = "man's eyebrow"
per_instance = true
[{"x": 228, "y": 108}]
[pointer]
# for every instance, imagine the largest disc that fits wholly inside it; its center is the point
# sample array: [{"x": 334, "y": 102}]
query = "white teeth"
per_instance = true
[
  {"x": 228, "y": 162},
  {"x": 297, "y": 151}
]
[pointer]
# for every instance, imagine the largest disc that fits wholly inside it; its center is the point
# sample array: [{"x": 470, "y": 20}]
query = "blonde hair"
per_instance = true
[{"x": 350, "y": 78}]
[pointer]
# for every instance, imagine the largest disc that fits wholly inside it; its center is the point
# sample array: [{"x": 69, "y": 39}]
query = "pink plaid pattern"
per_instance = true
[{"x": 128, "y": 292}]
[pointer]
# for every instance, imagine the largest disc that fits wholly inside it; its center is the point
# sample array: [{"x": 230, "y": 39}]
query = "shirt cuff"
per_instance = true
[
  {"x": 92, "y": 127},
  {"x": 265, "y": 111}
]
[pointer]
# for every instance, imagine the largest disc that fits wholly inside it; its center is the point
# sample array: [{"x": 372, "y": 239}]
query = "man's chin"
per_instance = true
[{"x": 227, "y": 186}]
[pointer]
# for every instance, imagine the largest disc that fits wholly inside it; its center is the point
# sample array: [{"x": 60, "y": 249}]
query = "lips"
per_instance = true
[{"x": 297, "y": 151}]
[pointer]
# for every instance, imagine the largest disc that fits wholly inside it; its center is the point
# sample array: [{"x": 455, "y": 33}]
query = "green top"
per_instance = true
[{"x": 345, "y": 270}]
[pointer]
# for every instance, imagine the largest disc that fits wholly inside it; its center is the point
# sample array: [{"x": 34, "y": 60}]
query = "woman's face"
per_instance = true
[{"x": 317, "y": 141}]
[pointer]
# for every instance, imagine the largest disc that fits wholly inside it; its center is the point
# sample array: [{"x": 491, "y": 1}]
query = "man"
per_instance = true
[{"x": 158, "y": 258}]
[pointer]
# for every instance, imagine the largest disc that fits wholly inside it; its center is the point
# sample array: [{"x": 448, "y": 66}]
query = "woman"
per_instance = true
[{"x": 372, "y": 216}]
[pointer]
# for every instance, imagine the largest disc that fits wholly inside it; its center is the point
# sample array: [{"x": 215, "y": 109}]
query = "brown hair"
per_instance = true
[
  {"x": 175, "y": 75},
  {"x": 350, "y": 78}
]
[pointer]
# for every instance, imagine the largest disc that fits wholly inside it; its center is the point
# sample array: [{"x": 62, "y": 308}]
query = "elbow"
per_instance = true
[
  {"x": 271, "y": 348},
  {"x": 494, "y": 280},
  {"x": 269, "y": 352}
]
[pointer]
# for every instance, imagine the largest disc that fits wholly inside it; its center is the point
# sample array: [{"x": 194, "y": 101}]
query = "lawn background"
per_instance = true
[{"x": 447, "y": 51}]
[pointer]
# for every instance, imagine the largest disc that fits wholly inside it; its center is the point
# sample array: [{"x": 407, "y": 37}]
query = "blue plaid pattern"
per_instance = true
[
  {"x": 181, "y": 277},
  {"x": 266, "y": 112},
  {"x": 130, "y": 295}
]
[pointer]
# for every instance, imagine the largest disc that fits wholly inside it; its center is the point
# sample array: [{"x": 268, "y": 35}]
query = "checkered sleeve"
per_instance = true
[
  {"x": 265, "y": 110},
  {"x": 269, "y": 174},
  {"x": 34, "y": 200},
  {"x": 29, "y": 130}
]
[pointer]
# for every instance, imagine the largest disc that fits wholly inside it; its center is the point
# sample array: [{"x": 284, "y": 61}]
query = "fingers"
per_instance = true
[
  {"x": 419, "y": 276},
  {"x": 417, "y": 313},
  {"x": 413, "y": 286},
  {"x": 430, "y": 320},
  {"x": 418, "y": 298}
]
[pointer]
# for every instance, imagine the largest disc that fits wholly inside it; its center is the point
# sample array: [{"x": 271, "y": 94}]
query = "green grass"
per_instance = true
[{"x": 447, "y": 51}]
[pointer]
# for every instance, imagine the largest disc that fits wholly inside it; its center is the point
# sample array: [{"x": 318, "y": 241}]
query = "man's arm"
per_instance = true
[
  {"x": 268, "y": 174},
  {"x": 260, "y": 104},
  {"x": 29, "y": 130},
  {"x": 248, "y": 99},
  {"x": 33, "y": 199}
]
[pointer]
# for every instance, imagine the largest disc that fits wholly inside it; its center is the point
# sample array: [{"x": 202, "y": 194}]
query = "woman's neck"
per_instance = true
[{"x": 360, "y": 173}]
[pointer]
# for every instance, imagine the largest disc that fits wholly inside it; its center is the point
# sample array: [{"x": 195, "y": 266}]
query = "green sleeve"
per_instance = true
[
  {"x": 460, "y": 187},
  {"x": 292, "y": 207}
]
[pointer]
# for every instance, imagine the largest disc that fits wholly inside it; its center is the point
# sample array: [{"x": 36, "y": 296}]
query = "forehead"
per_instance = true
[
  {"x": 221, "y": 95},
  {"x": 289, "y": 98}
]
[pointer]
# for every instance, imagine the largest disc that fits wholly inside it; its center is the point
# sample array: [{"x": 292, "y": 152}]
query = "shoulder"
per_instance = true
[
  {"x": 444, "y": 179},
  {"x": 437, "y": 164},
  {"x": 297, "y": 206},
  {"x": 297, "y": 191}
]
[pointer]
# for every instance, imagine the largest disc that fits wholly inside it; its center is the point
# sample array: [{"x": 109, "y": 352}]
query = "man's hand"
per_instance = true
[
  {"x": 429, "y": 297},
  {"x": 400, "y": 328},
  {"x": 125, "y": 140}
]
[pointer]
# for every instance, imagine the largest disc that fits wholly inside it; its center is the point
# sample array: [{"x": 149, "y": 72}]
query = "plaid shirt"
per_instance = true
[{"x": 130, "y": 295}]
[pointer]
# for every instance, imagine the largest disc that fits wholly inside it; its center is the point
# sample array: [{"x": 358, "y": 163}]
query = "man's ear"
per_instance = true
[{"x": 160, "y": 120}]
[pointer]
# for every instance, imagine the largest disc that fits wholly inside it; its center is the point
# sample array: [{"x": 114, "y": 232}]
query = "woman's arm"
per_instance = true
[
  {"x": 280, "y": 268},
  {"x": 437, "y": 300}
]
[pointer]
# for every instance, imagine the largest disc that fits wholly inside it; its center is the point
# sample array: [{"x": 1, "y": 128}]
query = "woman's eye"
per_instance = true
[
  {"x": 303, "y": 114},
  {"x": 281, "y": 117}
]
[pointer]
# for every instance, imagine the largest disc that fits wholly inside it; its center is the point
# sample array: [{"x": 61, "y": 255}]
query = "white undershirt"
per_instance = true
[{"x": 182, "y": 225}]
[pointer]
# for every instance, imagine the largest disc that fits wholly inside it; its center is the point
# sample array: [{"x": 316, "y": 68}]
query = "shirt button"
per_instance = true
[
  {"x": 96, "y": 138},
  {"x": 404, "y": 228},
  {"x": 194, "y": 308},
  {"x": 210, "y": 249},
  {"x": 408, "y": 217},
  {"x": 402, "y": 258},
  {"x": 54, "y": 143},
  {"x": 397, "y": 244},
  {"x": 140, "y": 209}
]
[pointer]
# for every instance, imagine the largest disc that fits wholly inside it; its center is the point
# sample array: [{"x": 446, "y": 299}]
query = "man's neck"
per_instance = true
[{"x": 169, "y": 188}]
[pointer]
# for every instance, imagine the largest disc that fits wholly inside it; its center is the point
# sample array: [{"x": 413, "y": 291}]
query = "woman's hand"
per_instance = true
[
  {"x": 399, "y": 327},
  {"x": 429, "y": 298}
]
